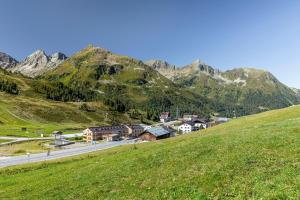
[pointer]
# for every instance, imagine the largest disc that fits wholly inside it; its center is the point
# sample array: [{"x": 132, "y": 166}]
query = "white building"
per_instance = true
[{"x": 187, "y": 127}]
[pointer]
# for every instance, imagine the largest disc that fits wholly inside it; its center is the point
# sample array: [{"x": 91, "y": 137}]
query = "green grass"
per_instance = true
[
  {"x": 254, "y": 157},
  {"x": 3, "y": 141},
  {"x": 23, "y": 148}
]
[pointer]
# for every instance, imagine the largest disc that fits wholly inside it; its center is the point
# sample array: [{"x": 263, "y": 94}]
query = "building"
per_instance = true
[
  {"x": 111, "y": 137},
  {"x": 189, "y": 117},
  {"x": 136, "y": 130},
  {"x": 165, "y": 117},
  {"x": 201, "y": 123},
  {"x": 145, "y": 126},
  {"x": 187, "y": 127},
  {"x": 98, "y": 133},
  {"x": 157, "y": 133}
]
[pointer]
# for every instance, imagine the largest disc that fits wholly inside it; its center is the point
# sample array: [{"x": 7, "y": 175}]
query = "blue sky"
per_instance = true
[{"x": 225, "y": 34}]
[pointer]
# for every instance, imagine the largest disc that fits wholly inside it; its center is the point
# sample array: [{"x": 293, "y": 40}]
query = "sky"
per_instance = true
[{"x": 223, "y": 33}]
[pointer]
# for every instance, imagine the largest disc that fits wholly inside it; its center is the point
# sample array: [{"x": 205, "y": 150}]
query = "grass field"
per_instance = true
[
  {"x": 254, "y": 157},
  {"x": 23, "y": 148},
  {"x": 3, "y": 141},
  {"x": 45, "y": 116}
]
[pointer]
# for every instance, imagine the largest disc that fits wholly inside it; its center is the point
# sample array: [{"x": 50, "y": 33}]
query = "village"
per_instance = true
[
  {"x": 60, "y": 144},
  {"x": 168, "y": 127}
]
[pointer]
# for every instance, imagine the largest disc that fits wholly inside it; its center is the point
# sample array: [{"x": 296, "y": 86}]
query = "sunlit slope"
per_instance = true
[{"x": 251, "y": 157}]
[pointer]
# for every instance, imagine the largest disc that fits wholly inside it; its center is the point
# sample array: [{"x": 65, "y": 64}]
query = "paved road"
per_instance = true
[{"x": 17, "y": 160}]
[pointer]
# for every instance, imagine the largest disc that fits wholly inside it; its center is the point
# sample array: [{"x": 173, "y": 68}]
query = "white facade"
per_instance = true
[
  {"x": 201, "y": 125},
  {"x": 185, "y": 128}
]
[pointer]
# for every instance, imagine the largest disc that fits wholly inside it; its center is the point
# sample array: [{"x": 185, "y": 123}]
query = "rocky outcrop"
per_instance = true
[
  {"x": 6, "y": 61},
  {"x": 38, "y": 63}
]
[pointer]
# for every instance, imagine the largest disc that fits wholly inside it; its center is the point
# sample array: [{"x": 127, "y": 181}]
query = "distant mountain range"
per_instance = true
[
  {"x": 34, "y": 65},
  {"x": 240, "y": 90},
  {"x": 143, "y": 89}
]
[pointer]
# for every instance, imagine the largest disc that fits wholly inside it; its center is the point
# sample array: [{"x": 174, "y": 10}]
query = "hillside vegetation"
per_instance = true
[
  {"x": 253, "y": 157},
  {"x": 32, "y": 110},
  {"x": 240, "y": 91}
]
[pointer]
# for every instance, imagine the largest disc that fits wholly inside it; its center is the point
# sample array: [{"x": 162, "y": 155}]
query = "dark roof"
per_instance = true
[
  {"x": 57, "y": 133},
  {"x": 200, "y": 120},
  {"x": 158, "y": 131},
  {"x": 136, "y": 126},
  {"x": 190, "y": 123},
  {"x": 100, "y": 128}
]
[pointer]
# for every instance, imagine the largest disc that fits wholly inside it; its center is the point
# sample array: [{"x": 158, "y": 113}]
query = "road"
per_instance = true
[{"x": 17, "y": 160}]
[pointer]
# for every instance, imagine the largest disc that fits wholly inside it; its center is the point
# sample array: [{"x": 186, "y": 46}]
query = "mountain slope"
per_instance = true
[
  {"x": 38, "y": 63},
  {"x": 125, "y": 83},
  {"x": 254, "y": 157},
  {"x": 239, "y": 91},
  {"x": 6, "y": 61}
]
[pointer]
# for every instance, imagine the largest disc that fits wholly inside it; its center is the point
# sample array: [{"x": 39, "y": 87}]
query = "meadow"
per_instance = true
[{"x": 252, "y": 157}]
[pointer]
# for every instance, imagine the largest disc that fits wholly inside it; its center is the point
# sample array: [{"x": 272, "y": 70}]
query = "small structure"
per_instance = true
[
  {"x": 187, "y": 127},
  {"x": 201, "y": 123},
  {"x": 157, "y": 133},
  {"x": 165, "y": 117},
  {"x": 57, "y": 134},
  {"x": 59, "y": 139},
  {"x": 111, "y": 137}
]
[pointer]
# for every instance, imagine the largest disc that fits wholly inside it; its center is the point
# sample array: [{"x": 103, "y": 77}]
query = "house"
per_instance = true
[
  {"x": 187, "y": 127},
  {"x": 157, "y": 133},
  {"x": 165, "y": 117},
  {"x": 98, "y": 133},
  {"x": 136, "y": 130},
  {"x": 189, "y": 117}
]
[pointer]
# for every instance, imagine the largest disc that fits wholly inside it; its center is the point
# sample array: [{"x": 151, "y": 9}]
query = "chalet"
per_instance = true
[
  {"x": 135, "y": 130},
  {"x": 187, "y": 127},
  {"x": 165, "y": 117},
  {"x": 189, "y": 117},
  {"x": 157, "y": 133},
  {"x": 98, "y": 133}
]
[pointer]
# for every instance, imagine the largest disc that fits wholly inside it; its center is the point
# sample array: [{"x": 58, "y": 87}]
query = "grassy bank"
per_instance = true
[
  {"x": 24, "y": 147},
  {"x": 252, "y": 157}
]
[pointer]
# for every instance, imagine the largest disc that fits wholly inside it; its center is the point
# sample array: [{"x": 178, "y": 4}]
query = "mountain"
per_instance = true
[
  {"x": 253, "y": 157},
  {"x": 240, "y": 91},
  {"x": 6, "y": 61},
  {"x": 125, "y": 84},
  {"x": 38, "y": 63}
]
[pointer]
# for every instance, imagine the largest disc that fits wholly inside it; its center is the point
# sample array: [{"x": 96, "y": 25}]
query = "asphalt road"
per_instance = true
[{"x": 17, "y": 160}]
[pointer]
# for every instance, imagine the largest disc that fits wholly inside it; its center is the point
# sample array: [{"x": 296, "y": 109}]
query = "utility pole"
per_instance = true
[{"x": 177, "y": 113}]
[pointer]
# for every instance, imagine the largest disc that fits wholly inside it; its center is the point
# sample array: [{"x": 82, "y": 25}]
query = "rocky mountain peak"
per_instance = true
[
  {"x": 6, "y": 61},
  {"x": 58, "y": 56},
  {"x": 160, "y": 64},
  {"x": 38, "y": 63}
]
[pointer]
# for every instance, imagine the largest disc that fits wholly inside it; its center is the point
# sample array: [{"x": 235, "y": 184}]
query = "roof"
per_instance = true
[
  {"x": 100, "y": 128},
  {"x": 222, "y": 119},
  {"x": 137, "y": 126},
  {"x": 57, "y": 133},
  {"x": 158, "y": 131},
  {"x": 189, "y": 123}
]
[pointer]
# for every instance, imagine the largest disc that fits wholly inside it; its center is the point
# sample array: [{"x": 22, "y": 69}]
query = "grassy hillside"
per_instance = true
[
  {"x": 29, "y": 108},
  {"x": 241, "y": 91},
  {"x": 124, "y": 83},
  {"x": 254, "y": 157}
]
